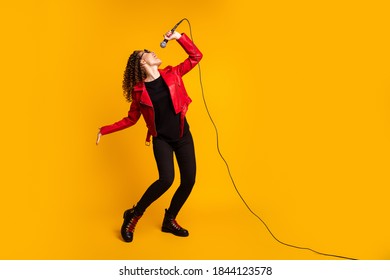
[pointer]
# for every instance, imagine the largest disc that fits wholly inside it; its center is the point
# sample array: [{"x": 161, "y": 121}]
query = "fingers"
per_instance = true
[
  {"x": 98, "y": 138},
  {"x": 171, "y": 35}
]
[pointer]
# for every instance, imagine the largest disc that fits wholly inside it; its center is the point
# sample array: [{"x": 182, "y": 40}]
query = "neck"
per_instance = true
[{"x": 152, "y": 74}]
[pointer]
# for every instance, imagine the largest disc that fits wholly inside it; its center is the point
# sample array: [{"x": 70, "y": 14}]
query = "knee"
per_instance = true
[
  {"x": 166, "y": 181},
  {"x": 189, "y": 181}
]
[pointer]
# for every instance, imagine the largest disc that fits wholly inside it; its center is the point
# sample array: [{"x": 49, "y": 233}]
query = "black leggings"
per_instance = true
[{"x": 163, "y": 153}]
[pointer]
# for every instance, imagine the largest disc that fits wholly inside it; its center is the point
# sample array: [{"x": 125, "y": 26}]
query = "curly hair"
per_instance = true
[{"x": 133, "y": 74}]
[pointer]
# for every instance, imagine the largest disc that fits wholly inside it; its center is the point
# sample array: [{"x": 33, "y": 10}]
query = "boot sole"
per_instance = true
[{"x": 167, "y": 230}]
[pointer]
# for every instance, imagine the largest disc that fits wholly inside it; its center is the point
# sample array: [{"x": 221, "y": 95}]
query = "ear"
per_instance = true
[{"x": 144, "y": 65}]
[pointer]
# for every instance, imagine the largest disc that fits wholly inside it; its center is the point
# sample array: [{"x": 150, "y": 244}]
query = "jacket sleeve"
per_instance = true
[
  {"x": 194, "y": 55},
  {"x": 132, "y": 118}
]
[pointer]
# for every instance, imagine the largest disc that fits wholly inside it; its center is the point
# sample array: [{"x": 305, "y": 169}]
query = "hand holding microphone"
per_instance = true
[{"x": 170, "y": 35}]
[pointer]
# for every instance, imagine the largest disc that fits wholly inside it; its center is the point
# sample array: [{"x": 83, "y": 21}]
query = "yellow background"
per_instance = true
[{"x": 299, "y": 91}]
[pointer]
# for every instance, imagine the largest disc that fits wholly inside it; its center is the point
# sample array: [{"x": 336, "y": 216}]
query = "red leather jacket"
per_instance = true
[{"x": 142, "y": 104}]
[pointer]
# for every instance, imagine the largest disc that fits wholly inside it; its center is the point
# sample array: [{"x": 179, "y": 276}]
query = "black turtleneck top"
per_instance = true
[{"x": 167, "y": 122}]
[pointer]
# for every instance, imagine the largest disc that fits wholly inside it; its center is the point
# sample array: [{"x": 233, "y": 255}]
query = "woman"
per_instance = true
[{"x": 160, "y": 97}]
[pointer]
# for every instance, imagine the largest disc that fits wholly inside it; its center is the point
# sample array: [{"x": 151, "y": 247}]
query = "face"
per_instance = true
[{"x": 150, "y": 58}]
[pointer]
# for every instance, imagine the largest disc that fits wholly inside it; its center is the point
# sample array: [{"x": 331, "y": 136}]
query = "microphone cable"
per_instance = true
[{"x": 232, "y": 179}]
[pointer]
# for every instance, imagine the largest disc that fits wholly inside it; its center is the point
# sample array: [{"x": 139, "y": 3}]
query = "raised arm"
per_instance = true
[{"x": 194, "y": 54}]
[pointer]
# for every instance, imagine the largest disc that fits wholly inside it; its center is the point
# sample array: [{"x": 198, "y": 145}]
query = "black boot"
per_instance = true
[
  {"x": 131, "y": 217},
  {"x": 170, "y": 225}
]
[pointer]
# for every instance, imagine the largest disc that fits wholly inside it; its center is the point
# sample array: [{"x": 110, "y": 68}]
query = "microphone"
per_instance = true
[{"x": 163, "y": 44}]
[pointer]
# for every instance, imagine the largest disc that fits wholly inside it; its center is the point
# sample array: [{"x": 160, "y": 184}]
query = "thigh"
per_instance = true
[
  {"x": 163, "y": 154},
  {"x": 185, "y": 156}
]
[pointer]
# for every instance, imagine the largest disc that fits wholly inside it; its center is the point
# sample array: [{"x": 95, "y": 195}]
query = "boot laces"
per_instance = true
[
  {"x": 132, "y": 223},
  {"x": 176, "y": 225}
]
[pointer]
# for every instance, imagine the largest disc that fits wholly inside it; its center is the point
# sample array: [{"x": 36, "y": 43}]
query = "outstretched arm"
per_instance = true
[{"x": 132, "y": 117}]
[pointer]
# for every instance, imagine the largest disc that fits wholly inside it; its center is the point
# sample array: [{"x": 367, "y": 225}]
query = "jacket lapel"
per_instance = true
[
  {"x": 145, "y": 98},
  {"x": 171, "y": 83}
]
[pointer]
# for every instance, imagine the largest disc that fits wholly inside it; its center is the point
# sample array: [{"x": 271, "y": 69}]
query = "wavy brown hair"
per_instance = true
[{"x": 133, "y": 74}]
